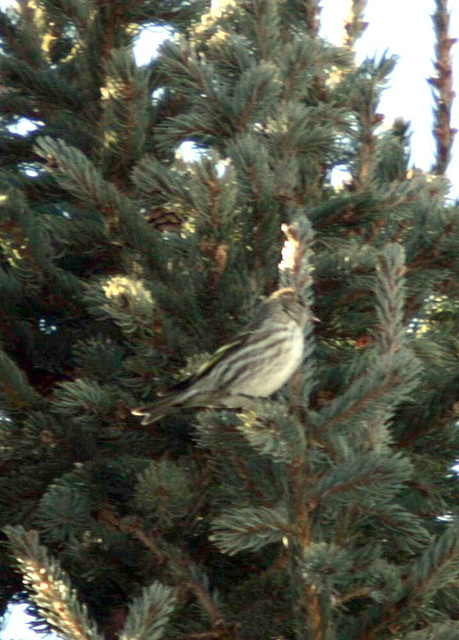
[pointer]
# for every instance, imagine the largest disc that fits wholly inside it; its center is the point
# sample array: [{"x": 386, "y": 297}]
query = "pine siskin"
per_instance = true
[{"x": 256, "y": 364}]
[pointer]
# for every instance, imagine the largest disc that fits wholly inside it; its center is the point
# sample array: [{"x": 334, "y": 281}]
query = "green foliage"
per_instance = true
[
  {"x": 53, "y": 592},
  {"x": 323, "y": 513},
  {"x": 163, "y": 494},
  {"x": 446, "y": 631},
  {"x": 149, "y": 613},
  {"x": 14, "y": 388},
  {"x": 249, "y": 529}
]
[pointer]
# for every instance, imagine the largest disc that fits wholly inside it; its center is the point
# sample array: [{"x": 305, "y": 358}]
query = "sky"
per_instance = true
[{"x": 404, "y": 28}]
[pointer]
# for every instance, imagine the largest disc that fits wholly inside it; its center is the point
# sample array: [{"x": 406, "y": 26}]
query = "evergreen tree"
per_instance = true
[{"x": 327, "y": 512}]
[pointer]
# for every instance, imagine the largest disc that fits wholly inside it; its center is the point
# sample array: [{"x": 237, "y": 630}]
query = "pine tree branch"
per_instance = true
[
  {"x": 442, "y": 88},
  {"x": 125, "y": 113},
  {"x": 313, "y": 11},
  {"x": 149, "y": 613},
  {"x": 50, "y": 587},
  {"x": 309, "y": 604},
  {"x": 435, "y": 569},
  {"x": 441, "y": 631},
  {"x": 14, "y": 386},
  {"x": 357, "y": 474},
  {"x": 47, "y": 88},
  {"x": 315, "y": 620},
  {"x": 180, "y": 565},
  {"x": 365, "y": 401},
  {"x": 394, "y": 369},
  {"x": 354, "y": 25}
]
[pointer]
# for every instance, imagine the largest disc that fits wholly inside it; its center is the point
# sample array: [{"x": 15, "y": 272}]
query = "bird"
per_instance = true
[{"x": 256, "y": 364}]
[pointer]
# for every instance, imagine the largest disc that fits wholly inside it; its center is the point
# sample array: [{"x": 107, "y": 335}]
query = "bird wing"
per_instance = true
[{"x": 221, "y": 354}]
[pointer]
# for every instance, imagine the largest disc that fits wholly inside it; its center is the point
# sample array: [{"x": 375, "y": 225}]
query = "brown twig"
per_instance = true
[
  {"x": 313, "y": 16},
  {"x": 355, "y": 25},
  {"x": 442, "y": 84}
]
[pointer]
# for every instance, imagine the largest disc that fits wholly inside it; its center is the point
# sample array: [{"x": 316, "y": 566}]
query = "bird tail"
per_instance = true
[{"x": 155, "y": 411}]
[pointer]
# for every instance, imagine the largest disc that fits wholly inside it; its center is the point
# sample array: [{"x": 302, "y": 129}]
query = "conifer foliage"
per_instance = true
[{"x": 326, "y": 512}]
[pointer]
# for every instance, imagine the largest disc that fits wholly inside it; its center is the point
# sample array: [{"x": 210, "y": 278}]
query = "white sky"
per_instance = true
[
  {"x": 16, "y": 627},
  {"x": 404, "y": 28}
]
